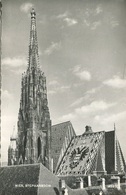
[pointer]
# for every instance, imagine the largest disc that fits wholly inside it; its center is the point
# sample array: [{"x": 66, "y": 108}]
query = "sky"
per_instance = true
[{"x": 82, "y": 51}]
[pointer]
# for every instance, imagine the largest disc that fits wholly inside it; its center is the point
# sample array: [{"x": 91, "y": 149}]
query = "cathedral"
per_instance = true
[{"x": 58, "y": 147}]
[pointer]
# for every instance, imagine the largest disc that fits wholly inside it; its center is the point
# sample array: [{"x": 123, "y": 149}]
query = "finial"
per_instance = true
[
  {"x": 33, "y": 14},
  {"x": 114, "y": 127}
]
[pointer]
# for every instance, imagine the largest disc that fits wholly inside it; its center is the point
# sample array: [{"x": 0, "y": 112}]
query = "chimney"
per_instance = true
[{"x": 88, "y": 129}]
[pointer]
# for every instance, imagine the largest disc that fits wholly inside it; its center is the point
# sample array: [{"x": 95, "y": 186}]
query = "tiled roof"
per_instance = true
[
  {"x": 114, "y": 156},
  {"x": 39, "y": 178},
  {"x": 110, "y": 151},
  {"x": 59, "y": 132},
  {"x": 33, "y": 179},
  {"x": 13, "y": 179},
  {"x": 80, "y": 156},
  {"x": 30, "y": 179},
  {"x": 49, "y": 180}
]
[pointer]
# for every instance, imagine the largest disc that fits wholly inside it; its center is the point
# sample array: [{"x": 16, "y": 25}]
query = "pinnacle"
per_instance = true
[
  {"x": 33, "y": 46},
  {"x": 33, "y": 14}
]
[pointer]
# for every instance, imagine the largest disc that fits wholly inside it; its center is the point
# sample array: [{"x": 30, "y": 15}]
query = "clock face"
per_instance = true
[{"x": 77, "y": 155}]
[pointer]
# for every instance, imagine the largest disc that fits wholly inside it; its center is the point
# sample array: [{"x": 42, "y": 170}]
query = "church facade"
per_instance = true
[{"x": 58, "y": 147}]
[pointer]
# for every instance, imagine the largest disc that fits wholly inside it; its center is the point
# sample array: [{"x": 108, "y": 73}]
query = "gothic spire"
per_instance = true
[{"x": 33, "y": 45}]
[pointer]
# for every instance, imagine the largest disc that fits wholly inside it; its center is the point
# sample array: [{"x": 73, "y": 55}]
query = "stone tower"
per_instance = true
[{"x": 34, "y": 124}]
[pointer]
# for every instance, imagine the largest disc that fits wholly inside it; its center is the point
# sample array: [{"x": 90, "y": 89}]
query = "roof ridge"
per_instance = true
[
  {"x": 24, "y": 165},
  {"x": 61, "y": 123}
]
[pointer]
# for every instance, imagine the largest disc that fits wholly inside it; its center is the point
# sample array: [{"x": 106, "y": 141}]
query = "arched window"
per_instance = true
[{"x": 39, "y": 146}]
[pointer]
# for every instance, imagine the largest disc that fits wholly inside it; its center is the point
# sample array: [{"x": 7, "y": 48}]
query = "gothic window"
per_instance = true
[{"x": 39, "y": 146}]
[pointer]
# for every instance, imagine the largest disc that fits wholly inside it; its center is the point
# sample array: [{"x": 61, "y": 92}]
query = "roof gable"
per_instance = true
[
  {"x": 62, "y": 134},
  {"x": 80, "y": 156}
]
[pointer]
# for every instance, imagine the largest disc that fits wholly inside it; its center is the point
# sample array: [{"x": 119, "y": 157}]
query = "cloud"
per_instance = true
[
  {"x": 26, "y": 7},
  {"x": 51, "y": 92},
  {"x": 6, "y": 94},
  {"x": 14, "y": 62},
  {"x": 111, "y": 119},
  {"x": 56, "y": 88},
  {"x": 65, "y": 14},
  {"x": 114, "y": 23},
  {"x": 84, "y": 111},
  {"x": 67, "y": 117},
  {"x": 87, "y": 12},
  {"x": 115, "y": 82},
  {"x": 115, "y": 118},
  {"x": 77, "y": 102},
  {"x": 76, "y": 68},
  {"x": 92, "y": 25},
  {"x": 95, "y": 25},
  {"x": 86, "y": 96},
  {"x": 93, "y": 11},
  {"x": 82, "y": 74},
  {"x": 64, "y": 88},
  {"x": 54, "y": 82},
  {"x": 70, "y": 21},
  {"x": 94, "y": 107},
  {"x": 93, "y": 90},
  {"x": 52, "y": 48},
  {"x": 87, "y": 22},
  {"x": 19, "y": 71},
  {"x": 98, "y": 10}
]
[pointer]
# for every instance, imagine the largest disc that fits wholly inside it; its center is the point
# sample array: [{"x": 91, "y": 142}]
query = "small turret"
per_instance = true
[{"x": 88, "y": 129}]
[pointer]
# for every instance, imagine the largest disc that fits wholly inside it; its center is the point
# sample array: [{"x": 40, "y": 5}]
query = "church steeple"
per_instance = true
[
  {"x": 34, "y": 124},
  {"x": 33, "y": 45}
]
